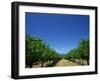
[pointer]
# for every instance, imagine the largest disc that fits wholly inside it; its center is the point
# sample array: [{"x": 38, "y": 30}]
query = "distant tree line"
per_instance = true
[
  {"x": 81, "y": 52},
  {"x": 37, "y": 51}
]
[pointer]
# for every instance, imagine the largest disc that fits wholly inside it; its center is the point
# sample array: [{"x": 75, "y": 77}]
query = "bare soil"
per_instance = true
[{"x": 64, "y": 62}]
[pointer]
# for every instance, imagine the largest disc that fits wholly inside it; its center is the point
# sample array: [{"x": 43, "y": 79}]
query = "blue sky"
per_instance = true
[{"x": 61, "y": 32}]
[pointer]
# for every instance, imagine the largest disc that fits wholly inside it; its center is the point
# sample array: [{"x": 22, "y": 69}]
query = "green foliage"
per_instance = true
[
  {"x": 38, "y": 52},
  {"x": 72, "y": 54},
  {"x": 84, "y": 49},
  {"x": 80, "y": 52}
]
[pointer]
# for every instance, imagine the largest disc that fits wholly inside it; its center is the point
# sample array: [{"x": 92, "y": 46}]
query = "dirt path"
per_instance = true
[{"x": 64, "y": 62}]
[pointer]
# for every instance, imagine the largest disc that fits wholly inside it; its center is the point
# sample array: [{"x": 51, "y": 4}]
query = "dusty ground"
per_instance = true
[{"x": 64, "y": 62}]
